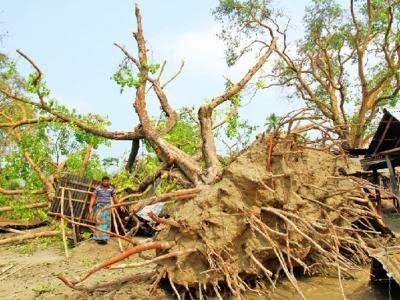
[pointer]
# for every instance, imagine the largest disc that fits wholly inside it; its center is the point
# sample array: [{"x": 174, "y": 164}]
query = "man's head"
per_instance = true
[{"x": 105, "y": 181}]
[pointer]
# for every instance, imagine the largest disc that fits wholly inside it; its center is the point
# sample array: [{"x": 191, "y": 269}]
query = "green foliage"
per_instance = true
[
  {"x": 260, "y": 84},
  {"x": 236, "y": 133},
  {"x": 124, "y": 75},
  {"x": 10, "y": 71},
  {"x": 86, "y": 235},
  {"x": 185, "y": 134},
  {"x": 237, "y": 29},
  {"x": 35, "y": 86},
  {"x": 271, "y": 122},
  {"x": 327, "y": 53},
  {"x": 153, "y": 68}
]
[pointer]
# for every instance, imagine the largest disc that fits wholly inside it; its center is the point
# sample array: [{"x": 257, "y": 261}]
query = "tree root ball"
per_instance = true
[{"x": 254, "y": 222}]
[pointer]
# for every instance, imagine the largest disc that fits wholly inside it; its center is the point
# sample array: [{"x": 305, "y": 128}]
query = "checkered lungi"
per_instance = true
[{"x": 103, "y": 221}]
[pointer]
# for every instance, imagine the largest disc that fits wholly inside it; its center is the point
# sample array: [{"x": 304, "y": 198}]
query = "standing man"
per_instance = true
[{"x": 104, "y": 195}]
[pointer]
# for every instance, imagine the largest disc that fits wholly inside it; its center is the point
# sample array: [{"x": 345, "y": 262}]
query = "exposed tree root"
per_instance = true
[
  {"x": 253, "y": 224},
  {"x": 162, "y": 220},
  {"x": 113, "y": 260},
  {"x": 116, "y": 283},
  {"x": 154, "y": 260}
]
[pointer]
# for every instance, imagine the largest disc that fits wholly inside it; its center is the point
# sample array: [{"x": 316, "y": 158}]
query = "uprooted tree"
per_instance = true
[{"x": 279, "y": 206}]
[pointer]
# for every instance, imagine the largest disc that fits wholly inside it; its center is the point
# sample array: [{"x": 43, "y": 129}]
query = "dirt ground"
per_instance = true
[{"x": 38, "y": 263}]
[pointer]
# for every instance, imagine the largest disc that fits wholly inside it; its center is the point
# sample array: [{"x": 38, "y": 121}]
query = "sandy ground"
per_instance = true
[{"x": 36, "y": 269}]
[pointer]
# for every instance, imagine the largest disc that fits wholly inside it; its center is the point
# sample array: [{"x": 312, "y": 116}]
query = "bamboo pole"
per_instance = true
[
  {"x": 113, "y": 212},
  {"x": 62, "y": 224},
  {"x": 29, "y": 206},
  {"x": 120, "y": 221},
  {"x": 71, "y": 208},
  {"x": 24, "y": 237}
]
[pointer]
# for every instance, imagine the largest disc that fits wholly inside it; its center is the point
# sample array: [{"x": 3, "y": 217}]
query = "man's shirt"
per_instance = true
[{"x": 104, "y": 194}]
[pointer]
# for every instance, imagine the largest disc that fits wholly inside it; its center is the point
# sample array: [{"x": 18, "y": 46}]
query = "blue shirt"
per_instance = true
[{"x": 104, "y": 194}]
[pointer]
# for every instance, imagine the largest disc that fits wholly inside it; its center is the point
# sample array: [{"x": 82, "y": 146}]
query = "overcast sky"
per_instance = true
[{"x": 72, "y": 41}]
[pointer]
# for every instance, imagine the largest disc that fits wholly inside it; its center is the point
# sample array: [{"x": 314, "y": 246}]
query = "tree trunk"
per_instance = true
[
  {"x": 85, "y": 160},
  {"x": 132, "y": 155}
]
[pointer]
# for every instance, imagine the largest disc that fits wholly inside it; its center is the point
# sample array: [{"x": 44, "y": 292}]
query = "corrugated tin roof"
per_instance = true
[
  {"x": 386, "y": 140},
  {"x": 79, "y": 189},
  {"x": 390, "y": 259},
  {"x": 387, "y": 135},
  {"x": 394, "y": 112}
]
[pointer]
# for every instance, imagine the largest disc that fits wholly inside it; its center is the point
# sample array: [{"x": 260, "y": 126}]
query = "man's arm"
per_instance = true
[
  {"x": 114, "y": 196},
  {"x": 91, "y": 203}
]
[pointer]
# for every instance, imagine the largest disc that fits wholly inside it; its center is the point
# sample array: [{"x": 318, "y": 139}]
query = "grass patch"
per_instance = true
[
  {"x": 31, "y": 246},
  {"x": 88, "y": 263},
  {"x": 43, "y": 289},
  {"x": 393, "y": 221}
]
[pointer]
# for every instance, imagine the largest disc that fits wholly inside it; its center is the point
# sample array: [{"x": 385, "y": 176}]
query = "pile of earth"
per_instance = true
[{"x": 279, "y": 207}]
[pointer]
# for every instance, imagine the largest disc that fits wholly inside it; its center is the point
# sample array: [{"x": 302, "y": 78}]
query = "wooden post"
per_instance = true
[
  {"x": 393, "y": 180},
  {"x": 62, "y": 223}
]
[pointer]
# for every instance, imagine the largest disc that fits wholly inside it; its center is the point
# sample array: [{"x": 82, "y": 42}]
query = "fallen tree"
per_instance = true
[{"x": 304, "y": 213}]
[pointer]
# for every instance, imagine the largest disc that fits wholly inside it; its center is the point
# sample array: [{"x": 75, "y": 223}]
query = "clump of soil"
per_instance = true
[{"x": 272, "y": 211}]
